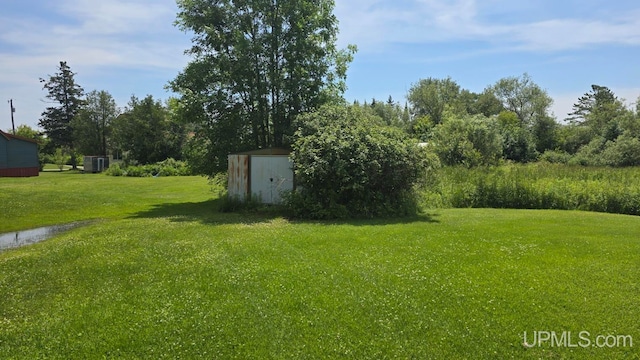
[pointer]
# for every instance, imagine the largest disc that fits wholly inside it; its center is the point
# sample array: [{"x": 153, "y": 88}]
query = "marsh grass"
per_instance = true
[
  {"x": 539, "y": 186},
  {"x": 166, "y": 276}
]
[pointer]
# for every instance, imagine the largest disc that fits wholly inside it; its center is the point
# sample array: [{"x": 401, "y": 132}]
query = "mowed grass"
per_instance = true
[
  {"x": 62, "y": 197},
  {"x": 165, "y": 277}
]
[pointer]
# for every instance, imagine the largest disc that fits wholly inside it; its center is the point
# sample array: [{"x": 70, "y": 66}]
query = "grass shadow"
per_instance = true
[{"x": 207, "y": 212}]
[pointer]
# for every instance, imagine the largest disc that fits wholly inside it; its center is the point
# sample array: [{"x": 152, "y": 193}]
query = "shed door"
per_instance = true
[
  {"x": 238, "y": 176},
  {"x": 271, "y": 175}
]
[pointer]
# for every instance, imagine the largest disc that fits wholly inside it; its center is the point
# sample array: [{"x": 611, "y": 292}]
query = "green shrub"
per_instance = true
[
  {"x": 114, "y": 170},
  {"x": 349, "y": 165},
  {"x": 136, "y": 171},
  {"x": 555, "y": 157},
  {"x": 168, "y": 167},
  {"x": 589, "y": 155},
  {"x": 625, "y": 151},
  {"x": 470, "y": 141}
]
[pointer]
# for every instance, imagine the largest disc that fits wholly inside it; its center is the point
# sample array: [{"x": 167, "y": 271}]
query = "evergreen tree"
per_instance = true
[{"x": 57, "y": 120}]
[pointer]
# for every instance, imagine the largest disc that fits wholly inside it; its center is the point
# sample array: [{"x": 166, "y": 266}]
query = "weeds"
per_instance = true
[{"x": 539, "y": 186}]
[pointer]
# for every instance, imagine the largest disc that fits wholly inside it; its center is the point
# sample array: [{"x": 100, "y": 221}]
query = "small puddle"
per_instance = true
[{"x": 27, "y": 237}]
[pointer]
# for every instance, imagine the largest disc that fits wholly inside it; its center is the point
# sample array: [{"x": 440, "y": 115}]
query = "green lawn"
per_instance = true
[
  {"x": 163, "y": 275},
  {"x": 54, "y": 198}
]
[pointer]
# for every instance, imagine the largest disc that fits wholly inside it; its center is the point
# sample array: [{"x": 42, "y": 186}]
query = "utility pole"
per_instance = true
[{"x": 13, "y": 124}]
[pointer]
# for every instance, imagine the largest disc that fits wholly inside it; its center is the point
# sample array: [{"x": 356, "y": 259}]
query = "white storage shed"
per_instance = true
[{"x": 262, "y": 175}]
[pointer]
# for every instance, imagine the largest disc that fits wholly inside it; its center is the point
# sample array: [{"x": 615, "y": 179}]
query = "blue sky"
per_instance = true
[{"x": 131, "y": 47}]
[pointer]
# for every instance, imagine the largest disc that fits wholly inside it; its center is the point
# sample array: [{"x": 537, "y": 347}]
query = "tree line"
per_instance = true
[
  {"x": 78, "y": 123},
  {"x": 258, "y": 65},
  {"x": 511, "y": 120}
]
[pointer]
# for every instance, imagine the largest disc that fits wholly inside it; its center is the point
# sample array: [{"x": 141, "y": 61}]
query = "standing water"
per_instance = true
[{"x": 28, "y": 237}]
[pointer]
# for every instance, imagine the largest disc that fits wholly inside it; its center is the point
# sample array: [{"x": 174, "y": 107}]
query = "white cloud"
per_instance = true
[
  {"x": 117, "y": 16},
  {"x": 373, "y": 27},
  {"x": 101, "y": 34},
  {"x": 94, "y": 37},
  {"x": 567, "y": 34}
]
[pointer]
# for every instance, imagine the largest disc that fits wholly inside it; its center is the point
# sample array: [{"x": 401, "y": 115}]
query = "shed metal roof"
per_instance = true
[
  {"x": 266, "y": 151},
  {"x": 16, "y": 137}
]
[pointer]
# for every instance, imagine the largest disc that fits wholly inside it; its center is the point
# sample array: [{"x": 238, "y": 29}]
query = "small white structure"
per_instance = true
[
  {"x": 262, "y": 175},
  {"x": 96, "y": 164}
]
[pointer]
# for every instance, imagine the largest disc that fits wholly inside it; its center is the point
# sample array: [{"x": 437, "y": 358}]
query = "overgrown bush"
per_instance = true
[
  {"x": 168, "y": 167},
  {"x": 469, "y": 141},
  {"x": 114, "y": 170},
  {"x": 555, "y": 157},
  {"x": 623, "y": 151},
  {"x": 589, "y": 155},
  {"x": 347, "y": 164},
  {"x": 518, "y": 142}
]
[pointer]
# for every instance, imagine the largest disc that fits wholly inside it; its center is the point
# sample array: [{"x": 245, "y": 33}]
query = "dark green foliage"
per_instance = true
[
  {"x": 257, "y": 65},
  {"x": 391, "y": 113},
  {"x": 146, "y": 133},
  {"x": 518, "y": 143},
  {"x": 484, "y": 103},
  {"x": 523, "y": 97},
  {"x": 572, "y": 137},
  {"x": 589, "y": 154},
  {"x": 544, "y": 131},
  {"x": 57, "y": 120},
  {"x": 431, "y": 97},
  {"x": 92, "y": 126},
  {"x": 422, "y": 128},
  {"x": 349, "y": 165},
  {"x": 555, "y": 157},
  {"x": 601, "y": 111},
  {"x": 595, "y": 101},
  {"x": 603, "y": 132},
  {"x": 469, "y": 141},
  {"x": 624, "y": 151}
]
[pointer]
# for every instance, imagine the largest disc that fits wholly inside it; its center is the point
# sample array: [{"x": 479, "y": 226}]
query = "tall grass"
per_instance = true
[{"x": 539, "y": 186}]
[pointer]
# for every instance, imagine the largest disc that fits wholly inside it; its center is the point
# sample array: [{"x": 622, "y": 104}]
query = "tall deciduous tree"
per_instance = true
[
  {"x": 257, "y": 65},
  {"x": 56, "y": 120},
  {"x": 430, "y": 97},
  {"x": 92, "y": 126},
  {"x": 523, "y": 97},
  {"x": 484, "y": 103},
  {"x": 145, "y": 132}
]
